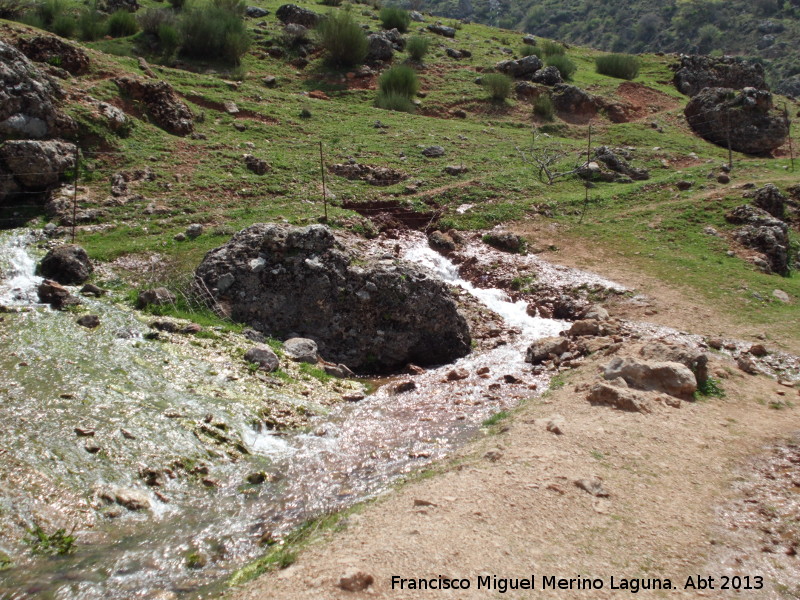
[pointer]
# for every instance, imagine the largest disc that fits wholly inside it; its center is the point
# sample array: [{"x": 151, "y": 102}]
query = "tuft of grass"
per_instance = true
[
  {"x": 528, "y": 50},
  {"x": 543, "y": 107},
  {"x": 417, "y": 47},
  {"x": 710, "y": 388},
  {"x": 394, "y": 17},
  {"x": 564, "y": 65},
  {"x": 315, "y": 372},
  {"x": 394, "y": 101},
  {"x": 400, "y": 80},
  {"x": 58, "y": 543},
  {"x": 495, "y": 418},
  {"x": 343, "y": 40},
  {"x": 212, "y": 31},
  {"x": 122, "y": 24},
  {"x": 497, "y": 85},
  {"x": 621, "y": 66},
  {"x": 91, "y": 25},
  {"x": 548, "y": 48},
  {"x": 64, "y": 25}
]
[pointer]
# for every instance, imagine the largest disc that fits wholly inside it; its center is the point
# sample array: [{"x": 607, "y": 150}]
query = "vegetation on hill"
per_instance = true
[{"x": 764, "y": 29}]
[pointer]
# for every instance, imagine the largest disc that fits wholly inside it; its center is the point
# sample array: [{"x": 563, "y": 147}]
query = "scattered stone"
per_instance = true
[
  {"x": 255, "y": 12},
  {"x": 456, "y": 170},
  {"x": 130, "y": 498},
  {"x": 191, "y": 329},
  {"x": 51, "y": 49},
  {"x": 379, "y": 176},
  {"x": 723, "y": 178},
  {"x": 493, "y": 455},
  {"x": 168, "y": 326},
  {"x": 571, "y": 100},
  {"x": 194, "y": 230},
  {"x": 504, "y": 240},
  {"x": 92, "y": 290},
  {"x": 593, "y": 486},
  {"x": 457, "y": 374},
  {"x": 403, "y": 386},
  {"x": 747, "y": 364},
  {"x": 764, "y": 233},
  {"x": 422, "y": 502},
  {"x": 684, "y": 185},
  {"x": 379, "y": 48},
  {"x": 92, "y": 447},
  {"x": 442, "y": 30},
  {"x": 270, "y": 81},
  {"x": 416, "y": 16},
  {"x": 547, "y": 76},
  {"x": 155, "y": 297},
  {"x": 89, "y": 321},
  {"x": 84, "y": 432},
  {"x": 291, "y": 13},
  {"x": 671, "y": 378},
  {"x": 301, "y": 350},
  {"x": 259, "y": 166},
  {"x": 523, "y": 68},
  {"x": 556, "y": 425},
  {"x": 433, "y": 151},
  {"x": 618, "y": 396},
  {"x": 256, "y": 478},
  {"x": 618, "y": 164},
  {"x": 441, "y": 241},
  {"x": 758, "y": 350},
  {"x": 53, "y": 293},
  {"x": 782, "y": 296},
  {"x": 66, "y": 264},
  {"x": 546, "y": 348},
  {"x": 355, "y": 580},
  {"x": 584, "y": 327},
  {"x": 263, "y": 356},
  {"x": 689, "y": 356}
]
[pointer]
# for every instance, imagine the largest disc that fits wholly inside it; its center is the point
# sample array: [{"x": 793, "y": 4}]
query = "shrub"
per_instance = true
[
  {"x": 622, "y": 66},
  {"x": 211, "y": 32},
  {"x": 91, "y": 26},
  {"x": 122, "y": 24},
  {"x": 236, "y": 7},
  {"x": 497, "y": 85},
  {"x": 49, "y": 10},
  {"x": 343, "y": 39},
  {"x": 548, "y": 48},
  {"x": 152, "y": 19},
  {"x": 331, "y": 2},
  {"x": 528, "y": 50},
  {"x": 64, "y": 25},
  {"x": 33, "y": 19},
  {"x": 168, "y": 38},
  {"x": 12, "y": 9},
  {"x": 394, "y": 101},
  {"x": 177, "y": 4},
  {"x": 543, "y": 107},
  {"x": 399, "y": 80},
  {"x": 417, "y": 47},
  {"x": 564, "y": 65},
  {"x": 394, "y": 17}
]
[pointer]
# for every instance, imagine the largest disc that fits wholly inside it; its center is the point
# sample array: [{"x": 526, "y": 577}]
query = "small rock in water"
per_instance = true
[
  {"x": 355, "y": 581},
  {"x": 511, "y": 379},
  {"x": 758, "y": 350},
  {"x": 457, "y": 374},
  {"x": 747, "y": 364},
  {"x": 92, "y": 290},
  {"x": 403, "y": 386},
  {"x": 84, "y": 432},
  {"x": 257, "y": 478},
  {"x": 354, "y": 397},
  {"x": 92, "y": 447},
  {"x": 127, "y": 434}
]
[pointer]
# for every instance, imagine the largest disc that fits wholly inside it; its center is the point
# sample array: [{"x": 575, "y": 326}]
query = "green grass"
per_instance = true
[
  {"x": 495, "y": 418},
  {"x": 710, "y": 388},
  {"x": 57, "y": 543}
]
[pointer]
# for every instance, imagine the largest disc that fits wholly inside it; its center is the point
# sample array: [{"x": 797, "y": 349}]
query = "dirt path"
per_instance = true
[{"x": 666, "y": 474}]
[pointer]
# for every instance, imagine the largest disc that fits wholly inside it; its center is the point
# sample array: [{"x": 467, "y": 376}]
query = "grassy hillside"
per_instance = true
[
  {"x": 765, "y": 30},
  {"x": 204, "y": 179}
]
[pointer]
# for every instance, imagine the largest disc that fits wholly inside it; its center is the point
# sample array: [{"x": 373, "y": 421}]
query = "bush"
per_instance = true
[
  {"x": 497, "y": 85},
  {"x": 543, "y": 107},
  {"x": 236, "y": 7},
  {"x": 177, "y": 4},
  {"x": 12, "y": 9},
  {"x": 394, "y": 17},
  {"x": 343, "y": 39},
  {"x": 417, "y": 47},
  {"x": 152, "y": 19},
  {"x": 49, "y": 10},
  {"x": 548, "y": 48},
  {"x": 64, "y": 25},
  {"x": 331, "y": 2},
  {"x": 168, "y": 38},
  {"x": 122, "y": 24},
  {"x": 400, "y": 80},
  {"x": 33, "y": 19},
  {"x": 564, "y": 65},
  {"x": 622, "y": 66},
  {"x": 211, "y": 32},
  {"x": 91, "y": 26},
  {"x": 394, "y": 101},
  {"x": 528, "y": 50}
]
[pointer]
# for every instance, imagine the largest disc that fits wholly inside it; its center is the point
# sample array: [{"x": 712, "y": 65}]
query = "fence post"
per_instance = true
[
  {"x": 324, "y": 192},
  {"x": 75, "y": 192}
]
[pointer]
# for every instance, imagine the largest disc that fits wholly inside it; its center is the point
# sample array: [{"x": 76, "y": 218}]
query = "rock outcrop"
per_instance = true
[
  {"x": 695, "y": 73},
  {"x": 69, "y": 265},
  {"x": 163, "y": 105},
  {"x": 371, "y": 315},
  {"x": 572, "y": 100},
  {"x": 524, "y": 68},
  {"x": 765, "y": 234},
  {"x": 55, "y": 51},
  {"x": 28, "y": 99},
  {"x": 33, "y": 165},
  {"x": 744, "y": 119},
  {"x": 291, "y": 13},
  {"x": 670, "y": 378}
]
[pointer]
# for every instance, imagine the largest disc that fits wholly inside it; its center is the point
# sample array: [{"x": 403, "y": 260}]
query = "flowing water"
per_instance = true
[{"x": 158, "y": 406}]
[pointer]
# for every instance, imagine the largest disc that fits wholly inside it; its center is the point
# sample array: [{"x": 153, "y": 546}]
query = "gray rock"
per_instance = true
[
  {"x": 263, "y": 356},
  {"x": 770, "y": 199},
  {"x": 340, "y": 371},
  {"x": 33, "y": 165},
  {"x": 442, "y": 30},
  {"x": 545, "y": 348},
  {"x": 618, "y": 397},
  {"x": 433, "y": 151},
  {"x": 695, "y": 73},
  {"x": 671, "y": 378},
  {"x": 555, "y": 425},
  {"x": 505, "y": 241},
  {"x": 764, "y": 233},
  {"x": 155, "y": 297},
  {"x": 380, "y": 48},
  {"x": 194, "y": 230},
  {"x": 744, "y": 119},
  {"x": 161, "y": 102},
  {"x": 291, "y": 13},
  {"x": 523, "y": 68},
  {"x": 52, "y": 49},
  {"x": 416, "y": 16},
  {"x": 255, "y": 12},
  {"x": 89, "y": 321},
  {"x": 618, "y": 164},
  {"x": 573, "y": 100},
  {"x": 130, "y": 498},
  {"x": 56, "y": 295},
  {"x": 584, "y": 327},
  {"x": 68, "y": 264},
  {"x": 301, "y": 350},
  {"x": 547, "y": 76},
  {"x": 689, "y": 356}
]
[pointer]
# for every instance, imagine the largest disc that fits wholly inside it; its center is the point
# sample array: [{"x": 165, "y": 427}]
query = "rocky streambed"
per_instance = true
[{"x": 170, "y": 460}]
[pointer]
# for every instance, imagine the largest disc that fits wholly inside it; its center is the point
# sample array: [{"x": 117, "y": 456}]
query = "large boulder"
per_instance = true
[
  {"x": 789, "y": 87},
  {"x": 746, "y": 120},
  {"x": 524, "y": 68},
  {"x": 695, "y": 72},
  {"x": 380, "y": 48},
  {"x": 671, "y": 378},
  {"x": 28, "y": 99},
  {"x": 34, "y": 165},
  {"x": 443, "y": 30},
  {"x": 163, "y": 105},
  {"x": 371, "y": 315},
  {"x": 55, "y": 51},
  {"x": 764, "y": 233},
  {"x": 547, "y": 76},
  {"x": 68, "y": 265},
  {"x": 770, "y": 199},
  {"x": 572, "y": 100},
  {"x": 291, "y": 13},
  {"x": 546, "y": 348}
]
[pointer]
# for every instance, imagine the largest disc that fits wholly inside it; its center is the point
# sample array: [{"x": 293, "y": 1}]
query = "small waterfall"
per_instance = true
[{"x": 18, "y": 280}]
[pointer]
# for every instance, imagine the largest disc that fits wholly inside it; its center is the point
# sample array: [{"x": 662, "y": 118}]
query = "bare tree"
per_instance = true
[{"x": 547, "y": 156}]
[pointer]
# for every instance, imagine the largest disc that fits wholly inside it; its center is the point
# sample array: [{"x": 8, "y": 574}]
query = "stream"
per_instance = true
[{"x": 156, "y": 408}]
